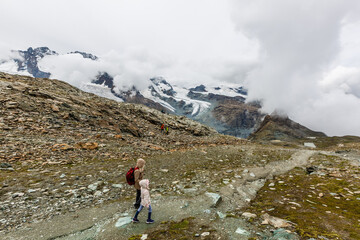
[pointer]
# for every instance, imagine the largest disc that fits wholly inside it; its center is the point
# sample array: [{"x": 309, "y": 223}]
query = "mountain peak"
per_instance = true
[
  {"x": 159, "y": 80},
  {"x": 200, "y": 88},
  {"x": 86, "y": 55},
  {"x": 280, "y": 127}
]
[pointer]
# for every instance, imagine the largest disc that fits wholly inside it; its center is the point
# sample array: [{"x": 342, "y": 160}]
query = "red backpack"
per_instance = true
[{"x": 130, "y": 177}]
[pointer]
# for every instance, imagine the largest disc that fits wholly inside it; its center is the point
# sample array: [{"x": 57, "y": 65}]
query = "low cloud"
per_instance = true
[
  {"x": 300, "y": 70},
  {"x": 299, "y": 57}
]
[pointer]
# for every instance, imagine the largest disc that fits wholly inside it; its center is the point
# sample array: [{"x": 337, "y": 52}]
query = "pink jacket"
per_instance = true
[{"x": 145, "y": 194}]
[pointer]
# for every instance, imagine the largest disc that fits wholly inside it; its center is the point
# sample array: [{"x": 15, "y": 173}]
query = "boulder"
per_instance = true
[
  {"x": 242, "y": 231},
  {"x": 216, "y": 199}
]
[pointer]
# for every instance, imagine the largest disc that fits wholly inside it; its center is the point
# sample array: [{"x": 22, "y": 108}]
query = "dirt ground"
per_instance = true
[{"x": 180, "y": 181}]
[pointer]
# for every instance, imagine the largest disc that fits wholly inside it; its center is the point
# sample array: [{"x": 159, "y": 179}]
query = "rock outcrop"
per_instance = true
[{"x": 275, "y": 127}]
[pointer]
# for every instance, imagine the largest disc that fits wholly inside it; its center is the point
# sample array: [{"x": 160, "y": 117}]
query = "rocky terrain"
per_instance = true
[
  {"x": 276, "y": 127},
  {"x": 64, "y": 154},
  {"x": 221, "y": 107}
]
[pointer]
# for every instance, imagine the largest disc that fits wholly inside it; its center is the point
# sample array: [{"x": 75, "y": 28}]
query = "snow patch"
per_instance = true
[
  {"x": 11, "y": 67},
  {"x": 100, "y": 90}
]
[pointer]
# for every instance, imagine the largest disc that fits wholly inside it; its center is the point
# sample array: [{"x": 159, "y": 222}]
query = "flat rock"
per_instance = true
[
  {"x": 248, "y": 215},
  {"x": 123, "y": 221},
  {"x": 242, "y": 231},
  {"x": 275, "y": 221},
  {"x": 204, "y": 234},
  {"x": 310, "y": 145},
  {"x": 282, "y": 234},
  {"x": 190, "y": 190}
]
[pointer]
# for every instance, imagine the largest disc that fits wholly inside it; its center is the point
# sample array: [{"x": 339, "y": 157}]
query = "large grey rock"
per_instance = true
[
  {"x": 94, "y": 186},
  {"x": 216, "y": 199},
  {"x": 123, "y": 221},
  {"x": 242, "y": 231},
  {"x": 282, "y": 234},
  {"x": 310, "y": 145}
]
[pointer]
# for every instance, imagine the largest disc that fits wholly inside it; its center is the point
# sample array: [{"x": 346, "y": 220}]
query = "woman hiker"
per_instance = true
[{"x": 138, "y": 175}]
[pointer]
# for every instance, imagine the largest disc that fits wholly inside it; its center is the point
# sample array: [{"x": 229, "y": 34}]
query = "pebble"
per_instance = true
[
  {"x": 271, "y": 184},
  {"x": 248, "y": 215},
  {"x": 252, "y": 174},
  {"x": 204, "y": 234},
  {"x": 221, "y": 215},
  {"x": 97, "y": 193},
  {"x": 62, "y": 175},
  {"x": 18, "y": 194},
  {"x": 94, "y": 186}
]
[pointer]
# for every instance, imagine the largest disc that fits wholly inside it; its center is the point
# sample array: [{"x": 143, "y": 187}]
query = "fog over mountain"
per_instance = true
[{"x": 301, "y": 58}]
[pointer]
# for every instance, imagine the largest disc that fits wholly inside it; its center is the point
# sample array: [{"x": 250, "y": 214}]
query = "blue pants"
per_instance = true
[{"x": 141, "y": 208}]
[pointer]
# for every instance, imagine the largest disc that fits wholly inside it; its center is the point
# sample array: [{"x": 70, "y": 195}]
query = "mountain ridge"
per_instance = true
[{"x": 197, "y": 103}]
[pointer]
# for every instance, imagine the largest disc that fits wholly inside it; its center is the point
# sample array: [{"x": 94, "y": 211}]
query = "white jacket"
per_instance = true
[{"x": 145, "y": 194}]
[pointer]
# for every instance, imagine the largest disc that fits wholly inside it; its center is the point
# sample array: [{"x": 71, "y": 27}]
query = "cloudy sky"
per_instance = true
[{"x": 298, "y": 57}]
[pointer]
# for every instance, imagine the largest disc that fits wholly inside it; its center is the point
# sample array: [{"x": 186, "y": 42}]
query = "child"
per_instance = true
[{"x": 145, "y": 201}]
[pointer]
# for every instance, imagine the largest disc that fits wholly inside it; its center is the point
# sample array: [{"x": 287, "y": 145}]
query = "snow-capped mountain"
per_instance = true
[{"x": 222, "y": 107}]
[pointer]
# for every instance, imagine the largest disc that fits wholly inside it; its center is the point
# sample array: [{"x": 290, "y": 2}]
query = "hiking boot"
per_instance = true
[
  {"x": 150, "y": 221},
  {"x": 135, "y": 220}
]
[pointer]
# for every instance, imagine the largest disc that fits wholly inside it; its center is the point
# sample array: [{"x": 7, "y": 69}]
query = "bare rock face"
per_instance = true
[
  {"x": 240, "y": 118},
  {"x": 275, "y": 127}
]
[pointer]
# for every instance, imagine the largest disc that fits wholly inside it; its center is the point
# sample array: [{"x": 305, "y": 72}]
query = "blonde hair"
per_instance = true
[{"x": 140, "y": 163}]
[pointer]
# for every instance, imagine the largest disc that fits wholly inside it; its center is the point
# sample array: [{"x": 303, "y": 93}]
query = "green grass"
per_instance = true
[{"x": 334, "y": 217}]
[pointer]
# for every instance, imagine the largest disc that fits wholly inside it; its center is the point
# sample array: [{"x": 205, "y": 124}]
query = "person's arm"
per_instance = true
[{"x": 137, "y": 175}]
